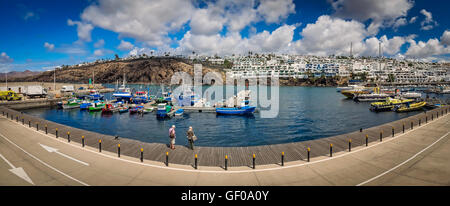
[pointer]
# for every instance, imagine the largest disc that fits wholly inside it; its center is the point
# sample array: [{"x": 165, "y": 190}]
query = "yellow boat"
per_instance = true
[
  {"x": 410, "y": 107},
  {"x": 351, "y": 93},
  {"x": 388, "y": 105}
]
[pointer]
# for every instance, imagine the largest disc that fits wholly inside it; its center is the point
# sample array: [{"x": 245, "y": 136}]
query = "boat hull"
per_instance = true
[{"x": 235, "y": 111}]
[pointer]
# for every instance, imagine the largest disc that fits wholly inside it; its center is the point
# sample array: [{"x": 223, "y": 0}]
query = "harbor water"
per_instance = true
[{"x": 305, "y": 113}]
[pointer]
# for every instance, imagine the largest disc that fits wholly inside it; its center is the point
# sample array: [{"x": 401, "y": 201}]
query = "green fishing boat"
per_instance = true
[{"x": 96, "y": 108}]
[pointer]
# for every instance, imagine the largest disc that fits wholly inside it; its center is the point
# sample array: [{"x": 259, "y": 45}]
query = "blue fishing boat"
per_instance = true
[
  {"x": 123, "y": 93},
  {"x": 140, "y": 97},
  {"x": 244, "y": 109},
  {"x": 94, "y": 95},
  {"x": 179, "y": 112},
  {"x": 235, "y": 110},
  {"x": 162, "y": 110},
  {"x": 85, "y": 105}
]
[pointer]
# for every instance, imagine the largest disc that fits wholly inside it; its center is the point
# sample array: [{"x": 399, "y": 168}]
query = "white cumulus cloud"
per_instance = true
[
  {"x": 383, "y": 13},
  {"x": 83, "y": 29},
  {"x": 428, "y": 23},
  {"x": 4, "y": 58},
  {"x": 124, "y": 45},
  {"x": 49, "y": 46}
]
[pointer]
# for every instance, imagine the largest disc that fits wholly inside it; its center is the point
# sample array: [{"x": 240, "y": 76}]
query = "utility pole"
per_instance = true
[
  {"x": 351, "y": 47},
  {"x": 54, "y": 80}
]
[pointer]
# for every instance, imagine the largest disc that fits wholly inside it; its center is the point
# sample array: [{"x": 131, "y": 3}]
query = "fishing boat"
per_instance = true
[
  {"x": 123, "y": 109},
  {"x": 71, "y": 103},
  {"x": 140, "y": 97},
  {"x": 167, "y": 96},
  {"x": 123, "y": 93},
  {"x": 409, "y": 107},
  {"x": 244, "y": 109},
  {"x": 109, "y": 108},
  {"x": 388, "y": 105},
  {"x": 179, "y": 112},
  {"x": 85, "y": 104},
  {"x": 162, "y": 110},
  {"x": 148, "y": 109},
  {"x": 94, "y": 95},
  {"x": 96, "y": 107}
]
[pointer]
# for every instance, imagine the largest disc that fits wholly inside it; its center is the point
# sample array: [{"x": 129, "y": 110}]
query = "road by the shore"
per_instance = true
[{"x": 418, "y": 157}]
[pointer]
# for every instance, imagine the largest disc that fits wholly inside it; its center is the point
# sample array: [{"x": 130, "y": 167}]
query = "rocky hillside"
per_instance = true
[
  {"x": 148, "y": 70},
  {"x": 151, "y": 70}
]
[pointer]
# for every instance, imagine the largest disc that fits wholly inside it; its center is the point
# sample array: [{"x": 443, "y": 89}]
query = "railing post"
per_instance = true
[
  {"x": 196, "y": 162},
  {"x": 142, "y": 156},
  {"x": 56, "y": 132},
  {"x": 367, "y": 140},
  {"x": 350, "y": 145},
  {"x": 82, "y": 141},
  {"x": 226, "y": 162},
  {"x": 403, "y": 127},
  {"x": 420, "y": 120},
  {"x": 393, "y": 132},
  {"x": 167, "y": 159},
  {"x": 99, "y": 145},
  {"x": 412, "y": 125},
  {"x": 282, "y": 158},
  {"x": 68, "y": 136},
  {"x": 118, "y": 150},
  {"x": 37, "y": 126},
  {"x": 331, "y": 150},
  {"x": 309, "y": 150},
  {"x": 254, "y": 161},
  {"x": 381, "y": 136}
]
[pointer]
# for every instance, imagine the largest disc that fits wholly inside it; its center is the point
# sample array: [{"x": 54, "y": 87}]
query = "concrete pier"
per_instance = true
[{"x": 416, "y": 157}]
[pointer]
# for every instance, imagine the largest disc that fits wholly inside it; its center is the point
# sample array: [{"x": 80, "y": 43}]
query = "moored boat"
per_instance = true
[
  {"x": 370, "y": 97},
  {"x": 179, "y": 112},
  {"x": 71, "y": 103},
  {"x": 162, "y": 110},
  {"x": 350, "y": 94},
  {"x": 388, "y": 105},
  {"x": 409, "y": 107},
  {"x": 244, "y": 109},
  {"x": 96, "y": 107},
  {"x": 123, "y": 109}
]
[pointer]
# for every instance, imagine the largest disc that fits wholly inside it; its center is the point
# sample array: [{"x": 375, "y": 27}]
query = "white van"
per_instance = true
[{"x": 67, "y": 88}]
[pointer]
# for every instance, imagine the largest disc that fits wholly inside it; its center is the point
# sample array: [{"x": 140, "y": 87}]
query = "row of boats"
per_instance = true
[{"x": 384, "y": 99}]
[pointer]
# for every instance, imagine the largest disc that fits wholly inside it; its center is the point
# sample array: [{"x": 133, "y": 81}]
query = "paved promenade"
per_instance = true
[{"x": 420, "y": 156}]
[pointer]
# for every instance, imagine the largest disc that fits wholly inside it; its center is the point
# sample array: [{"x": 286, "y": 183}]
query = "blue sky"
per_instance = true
[{"x": 38, "y": 35}]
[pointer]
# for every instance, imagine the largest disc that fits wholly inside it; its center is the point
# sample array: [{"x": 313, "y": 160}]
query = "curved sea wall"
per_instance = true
[{"x": 237, "y": 156}]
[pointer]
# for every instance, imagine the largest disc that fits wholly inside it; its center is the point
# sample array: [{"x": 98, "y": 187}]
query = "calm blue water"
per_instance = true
[{"x": 305, "y": 113}]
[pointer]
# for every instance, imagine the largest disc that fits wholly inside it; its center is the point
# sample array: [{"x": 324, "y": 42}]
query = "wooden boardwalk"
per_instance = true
[{"x": 215, "y": 156}]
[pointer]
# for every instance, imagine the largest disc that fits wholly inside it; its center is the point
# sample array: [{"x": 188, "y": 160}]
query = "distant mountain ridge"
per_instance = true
[{"x": 16, "y": 74}]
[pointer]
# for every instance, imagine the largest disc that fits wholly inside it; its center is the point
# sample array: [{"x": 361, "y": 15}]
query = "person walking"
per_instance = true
[
  {"x": 191, "y": 137},
  {"x": 172, "y": 137}
]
